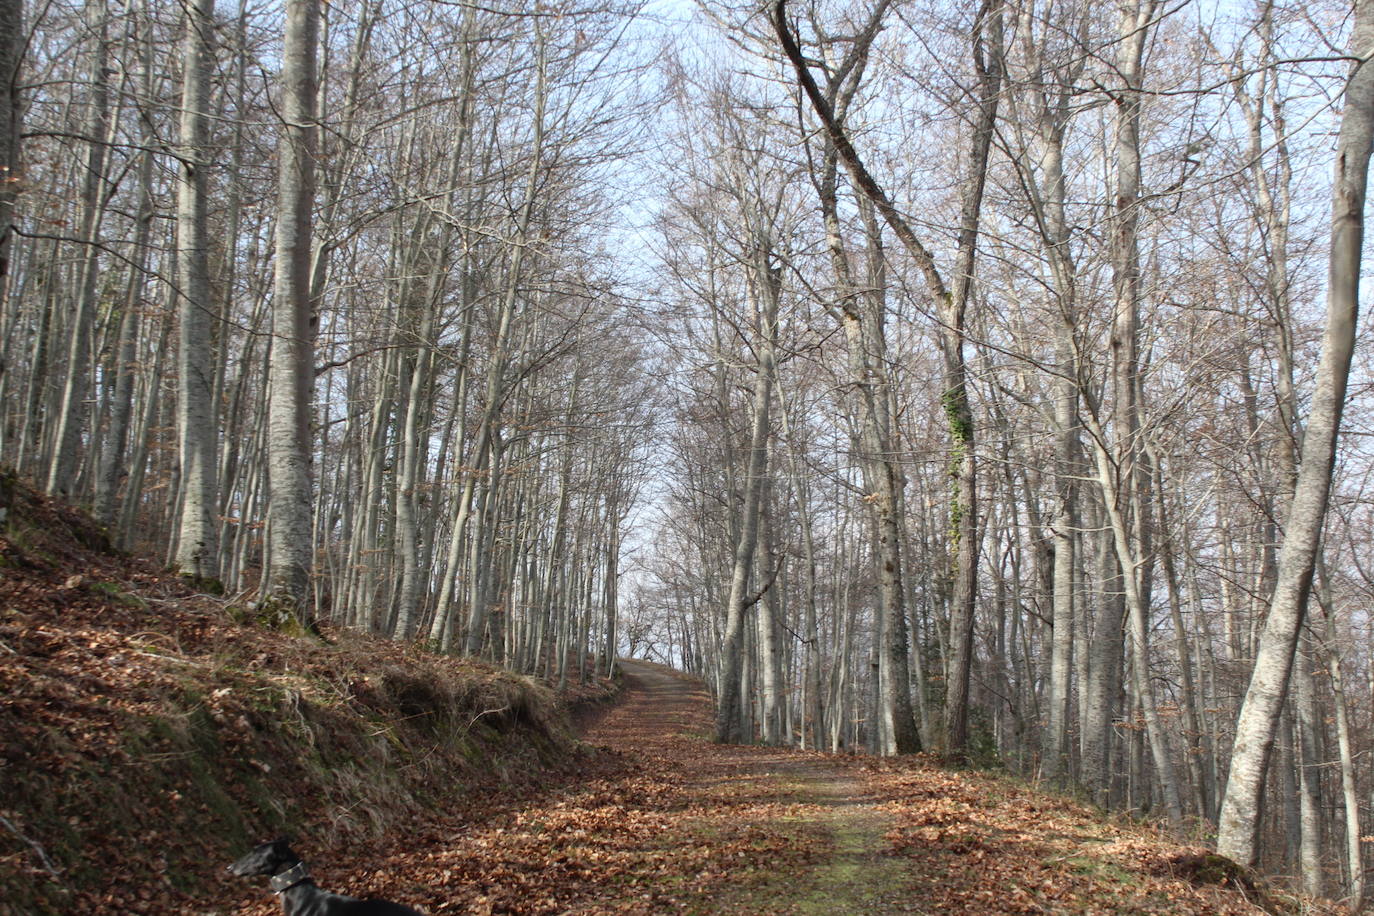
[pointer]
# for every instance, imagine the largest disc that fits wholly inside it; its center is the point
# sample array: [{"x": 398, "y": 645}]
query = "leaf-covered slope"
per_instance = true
[{"x": 146, "y": 737}]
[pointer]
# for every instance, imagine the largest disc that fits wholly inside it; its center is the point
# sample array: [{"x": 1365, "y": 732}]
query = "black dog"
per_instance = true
[{"x": 299, "y": 894}]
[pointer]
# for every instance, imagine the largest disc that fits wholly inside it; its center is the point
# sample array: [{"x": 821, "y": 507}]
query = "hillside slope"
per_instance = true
[{"x": 147, "y": 737}]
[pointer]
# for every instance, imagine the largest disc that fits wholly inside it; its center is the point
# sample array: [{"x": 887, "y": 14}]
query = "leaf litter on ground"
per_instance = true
[{"x": 647, "y": 816}]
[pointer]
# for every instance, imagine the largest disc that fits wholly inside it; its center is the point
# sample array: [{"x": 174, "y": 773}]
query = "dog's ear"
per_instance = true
[{"x": 286, "y": 839}]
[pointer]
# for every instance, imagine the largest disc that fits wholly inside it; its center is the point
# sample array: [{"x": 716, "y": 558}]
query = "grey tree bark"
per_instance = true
[
  {"x": 987, "y": 50},
  {"x": 774, "y": 699},
  {"x": 11, "y": 125},
  {"x": 952, "y": 307},
  {"x": 291, "y": 370},
  {"x": 97, "y": 126},
  {"x": 860, "y": 310},
  {"x": 730, "y": 702},
  {"x": 1257, "y": 726},
  {"x": 198, "y": 538},
  {"x": 1122, "y": 474},
  {"x": 113, "y": 460},
  {"x": 1350, "y": 797},
  {"x": 1049, "y": 82},
  {"x": 496, "y": 381}
]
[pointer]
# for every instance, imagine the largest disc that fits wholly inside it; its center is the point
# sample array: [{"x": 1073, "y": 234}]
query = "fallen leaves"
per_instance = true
[{"x": 656, "y": 819}]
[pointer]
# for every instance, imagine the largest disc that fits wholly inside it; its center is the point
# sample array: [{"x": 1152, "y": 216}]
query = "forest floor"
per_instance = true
[
  {"x": 665, "y": 821},
  {"x": 148, "y": 734}
]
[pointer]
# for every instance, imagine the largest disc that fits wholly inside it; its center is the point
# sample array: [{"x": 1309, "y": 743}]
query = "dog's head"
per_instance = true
[{"x": 267, "y": 859}]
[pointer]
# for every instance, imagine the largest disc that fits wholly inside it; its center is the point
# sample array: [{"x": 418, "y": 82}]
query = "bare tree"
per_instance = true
[
  {"x": 952, "y": 307},
  {"x": 97, "y": 128},
  {"x": 765, "y": 286},
  {"x": 1257, "y": 726},
  {"x": 293, "y": 324},
  {"x": 198, "y": 537},
  {"x": 11, "y": 123}
]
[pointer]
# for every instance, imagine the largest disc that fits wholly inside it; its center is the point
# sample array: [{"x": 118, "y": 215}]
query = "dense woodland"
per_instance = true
[{"x": 924, "y": 375}]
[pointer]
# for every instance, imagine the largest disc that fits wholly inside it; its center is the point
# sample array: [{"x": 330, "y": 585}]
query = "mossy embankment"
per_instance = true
[{"x": 148, "y": 734}]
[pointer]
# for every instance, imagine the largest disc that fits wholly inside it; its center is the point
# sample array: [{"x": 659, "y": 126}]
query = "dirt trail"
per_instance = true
[
  {"x": 662, "y": 820},
  {"x": 815, "y": 833}
]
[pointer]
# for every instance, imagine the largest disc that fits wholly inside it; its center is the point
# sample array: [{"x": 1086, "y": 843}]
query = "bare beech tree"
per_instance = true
[
  {"x": 293, "y": 325},
  {"x": 198, "y": 537},
  {"x": 96, "y": 129},
  {"x": 1257, "y": 728},
  {"x": 11, "y": 123},
  {"x": 952, "y": 307}
]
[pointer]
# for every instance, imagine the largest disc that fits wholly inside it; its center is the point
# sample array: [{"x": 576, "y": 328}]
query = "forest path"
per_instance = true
[
  {"x": 807, "y": 834},
  {"x": 661, "y": 820}
]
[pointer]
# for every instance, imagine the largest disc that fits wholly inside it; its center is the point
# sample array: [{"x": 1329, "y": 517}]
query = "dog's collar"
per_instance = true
[{"x": 290, "y": 878}]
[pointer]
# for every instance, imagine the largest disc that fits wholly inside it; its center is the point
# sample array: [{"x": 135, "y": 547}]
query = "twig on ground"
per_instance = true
[{"x": 37, "y": 847}]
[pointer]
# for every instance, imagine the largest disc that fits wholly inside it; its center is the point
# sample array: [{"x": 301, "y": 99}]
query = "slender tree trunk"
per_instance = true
[
  {"x": 1306, "y": 751},
  {"x": 1238, "y": 834},
  {"x": 499, "y": 359},
  {"x": 198, "y": 539},
  {"x": 12, "y": 41},
  {"x": 292, "y": 360},
  {"x": 414, "y": 449},
  {"x": 97, "y": 126},
  {"x": 1197, "y": 754},
  {"x": 113, "y": 465},
  {"x": 952, "y": 304},
  {"x": 1350, "y": 796},
  {"x": 1052, "y": 107},
  {"x": 138, "y": 457},
  {"x": 730, "y": 702},
  {"x": 612, "y": 593},
  {"x": 811, "y": 732},
  {"x": 987, "y": 56},
  {"x": 769, "y": 629},
  {"x": 1103, "y": 677},
  {"x": 1137, "y": 613},
  {"x": 861, "y": 315}
]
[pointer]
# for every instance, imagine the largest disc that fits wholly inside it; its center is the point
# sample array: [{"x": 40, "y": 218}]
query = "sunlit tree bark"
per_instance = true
[
  {"x": 198, "y": 537},
  {"x": 1257, "y": 726},
  {"x": 293, "y": 326}
]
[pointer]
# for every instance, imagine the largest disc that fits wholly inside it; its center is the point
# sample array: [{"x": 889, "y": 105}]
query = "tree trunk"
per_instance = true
[
  {"x": 1103, "y": 678},
  {"x": 12, "y": 41},
  {"x": 730, "y": 702},
  {"x": 952, "y": 308},
  {"x": 113, "y": 464},
  {"x": 198, "y": 539},
  {"x": 1307, "y": 759},
  {"x": 987, "y": 56},
  {"x": 97, "y": 127},
  {"x": 1238, "y": 834},
  {"x": 292, "y": 361},
  {"x": 1349, "y": 791},
  {"x": 769, "y": 631}
]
